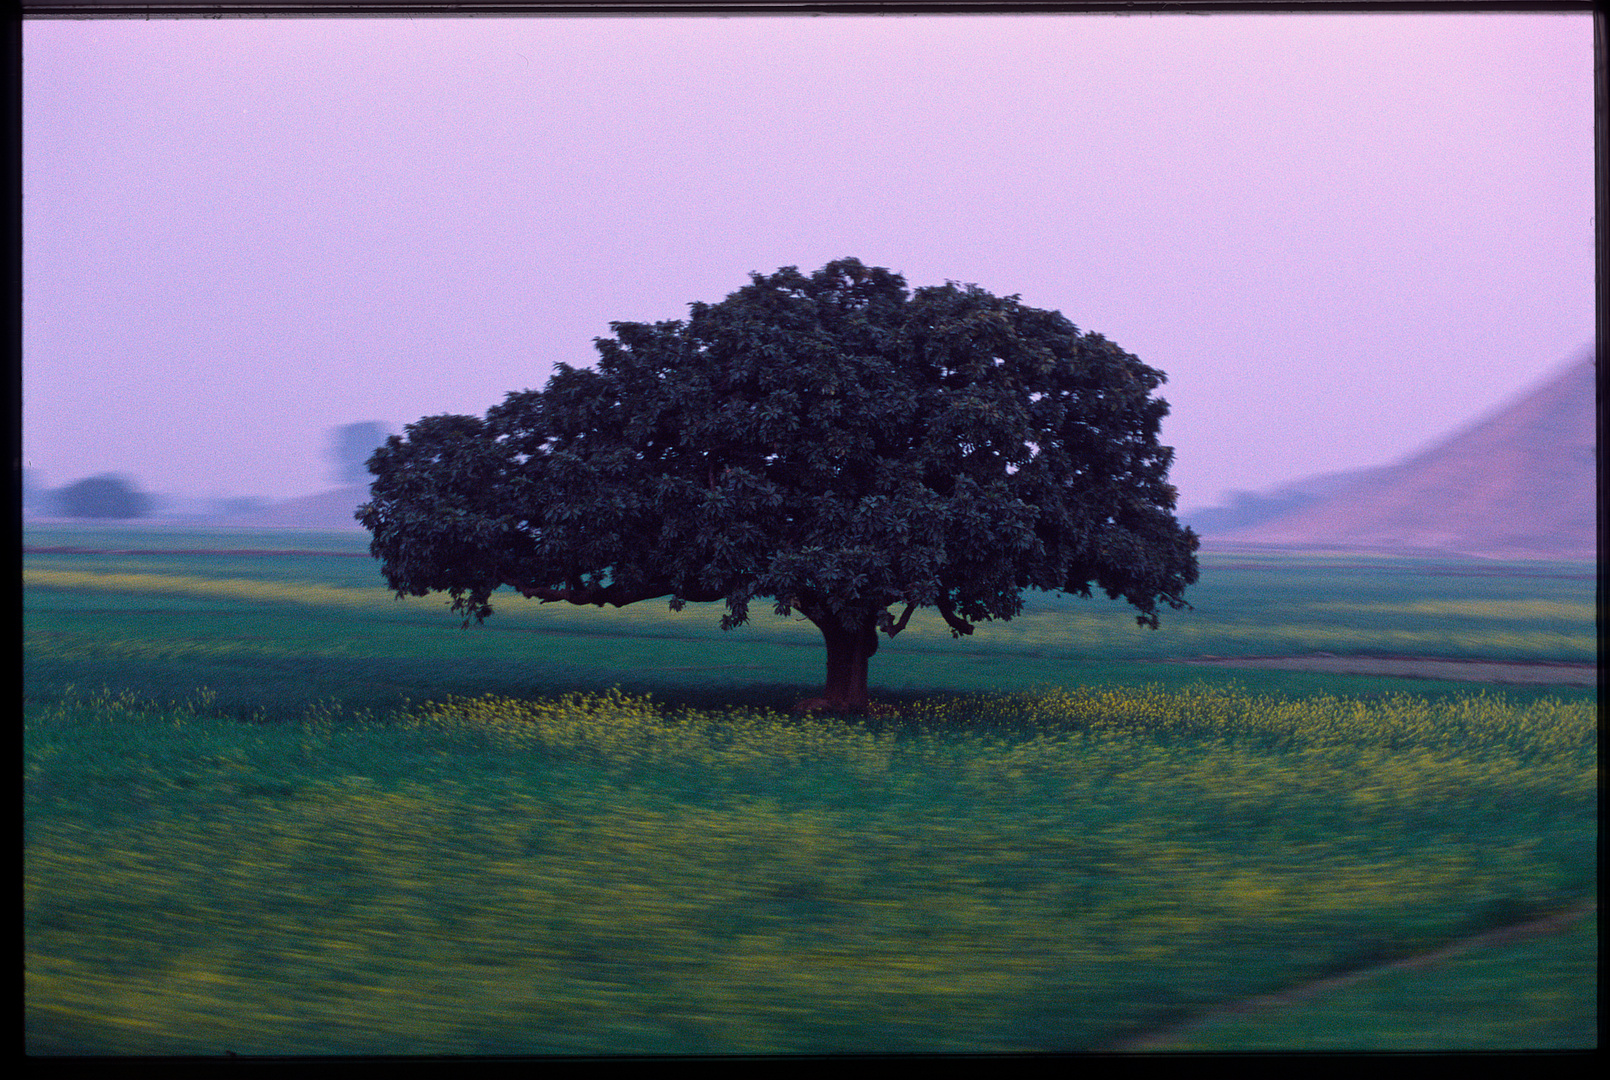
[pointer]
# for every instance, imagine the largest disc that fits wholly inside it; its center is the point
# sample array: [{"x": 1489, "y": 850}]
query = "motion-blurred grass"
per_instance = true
[
  {"x": 1548, "y": 1001},
  {"x": 1061, "y": 870}
]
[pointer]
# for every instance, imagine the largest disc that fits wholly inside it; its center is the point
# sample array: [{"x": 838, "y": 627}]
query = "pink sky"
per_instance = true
[{"x": 1340, "y": 236}]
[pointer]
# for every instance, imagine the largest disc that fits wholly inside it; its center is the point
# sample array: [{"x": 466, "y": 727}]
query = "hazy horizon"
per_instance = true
[
  {"x": 1342, "y": 237},
  {"x": 227, "y": 503}
]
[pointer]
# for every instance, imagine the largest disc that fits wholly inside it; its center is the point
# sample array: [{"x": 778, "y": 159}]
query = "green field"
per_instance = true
[
  {"x": 271, "y": 809},
  {"x": 271, "y": 632}
]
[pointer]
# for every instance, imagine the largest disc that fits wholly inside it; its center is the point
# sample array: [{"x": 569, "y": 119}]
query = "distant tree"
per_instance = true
[
  {"x": 35, "y": 497},
  {"x": 106, "y": 496},
  {"x": 351, "y": 446},
  {"x": 831, "y": 442}
]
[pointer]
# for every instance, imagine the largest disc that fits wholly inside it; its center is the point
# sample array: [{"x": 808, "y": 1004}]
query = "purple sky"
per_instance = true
[{"x": 1340, "y": 236}]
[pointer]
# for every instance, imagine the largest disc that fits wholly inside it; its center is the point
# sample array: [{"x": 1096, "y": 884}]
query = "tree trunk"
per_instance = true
[{"x": 848, "y": 651}]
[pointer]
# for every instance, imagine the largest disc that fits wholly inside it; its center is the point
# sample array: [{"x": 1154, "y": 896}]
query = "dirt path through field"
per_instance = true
[
  {"x": 1417, "y": 667},
  {"x": 1552, "y": 924}
]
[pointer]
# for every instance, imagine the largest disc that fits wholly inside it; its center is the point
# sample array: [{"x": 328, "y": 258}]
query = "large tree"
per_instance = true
[{"x": 846, "y": 448}]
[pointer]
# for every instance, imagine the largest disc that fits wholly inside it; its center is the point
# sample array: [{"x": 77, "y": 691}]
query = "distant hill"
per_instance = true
[
  {"x": 1249, "y": 508},
  {"x": 326, "y": 510},
  {"x": 1521, "y": 483}
]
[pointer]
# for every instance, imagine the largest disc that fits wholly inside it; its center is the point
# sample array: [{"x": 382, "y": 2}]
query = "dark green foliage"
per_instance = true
[{"x": 833, "y": 443}]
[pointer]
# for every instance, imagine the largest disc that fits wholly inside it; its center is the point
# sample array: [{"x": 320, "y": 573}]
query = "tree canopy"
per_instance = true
[{"x": 833, "y": 442}]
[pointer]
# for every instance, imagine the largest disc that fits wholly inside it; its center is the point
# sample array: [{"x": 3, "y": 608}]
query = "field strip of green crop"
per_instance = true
[
  {"x": 1535, "y": 630},
  {"x": 1536, "y": 673},
  {"x": 1481, "y": 609},
  {"x": 189, "y": 585}
]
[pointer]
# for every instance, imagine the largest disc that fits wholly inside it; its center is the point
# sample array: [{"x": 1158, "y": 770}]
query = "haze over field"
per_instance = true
[{"x": 1342, "y": 237}]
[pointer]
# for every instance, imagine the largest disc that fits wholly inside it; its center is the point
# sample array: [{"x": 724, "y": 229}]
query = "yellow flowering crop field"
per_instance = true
[{"x": 1057, "y": 870}]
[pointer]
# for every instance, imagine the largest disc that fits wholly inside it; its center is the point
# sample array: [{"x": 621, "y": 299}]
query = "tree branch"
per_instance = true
[
  {"x": 958, "y": 627},
  {"x": 890, "y": 626}
]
